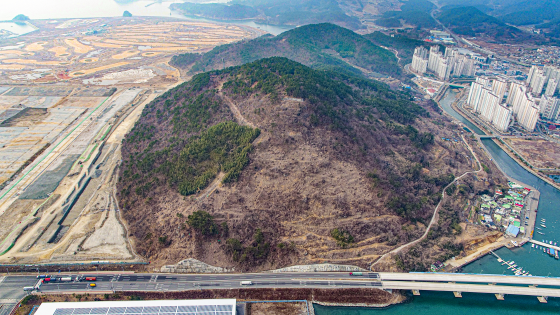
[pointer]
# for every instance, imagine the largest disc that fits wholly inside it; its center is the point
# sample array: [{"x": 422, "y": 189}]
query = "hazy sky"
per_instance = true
[{"x": 57, "y": 9}]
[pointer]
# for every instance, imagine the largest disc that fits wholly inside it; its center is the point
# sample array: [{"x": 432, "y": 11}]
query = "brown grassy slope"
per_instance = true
[{"x": 305, "y": 178}]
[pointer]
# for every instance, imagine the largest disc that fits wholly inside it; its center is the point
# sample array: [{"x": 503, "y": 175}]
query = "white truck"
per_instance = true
[{"x": 246, "y": 282}]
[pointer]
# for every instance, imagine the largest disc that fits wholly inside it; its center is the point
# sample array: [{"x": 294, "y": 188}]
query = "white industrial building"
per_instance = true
[{"x": 158, "y": 307}]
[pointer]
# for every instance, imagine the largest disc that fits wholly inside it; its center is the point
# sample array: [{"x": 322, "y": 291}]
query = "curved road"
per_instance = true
[{"x": 434, "y": 216}]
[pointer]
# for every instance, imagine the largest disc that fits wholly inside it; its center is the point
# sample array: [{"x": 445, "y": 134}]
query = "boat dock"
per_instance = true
[
  {"x": 517, "y": 270},
  {"x": 545, "y": 245}
]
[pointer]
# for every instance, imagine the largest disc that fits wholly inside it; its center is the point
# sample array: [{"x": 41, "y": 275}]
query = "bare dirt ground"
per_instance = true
[
  {"x": 119, "y": 46},
  {"x": 123, "y": 55},
  {"x": 276, "y": 308},
  {"x": 539, "y": 153}
]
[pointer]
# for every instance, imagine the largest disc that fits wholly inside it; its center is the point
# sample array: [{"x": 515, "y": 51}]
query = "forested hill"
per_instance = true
[
  {"x": 319, "y": 46},
  {"x": 402, "y": 43},
  {"x": 272, "y": 163},
  {"x": 470, "y": 21}
]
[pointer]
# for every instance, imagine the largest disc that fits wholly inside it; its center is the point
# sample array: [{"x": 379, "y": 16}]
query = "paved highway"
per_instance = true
[
  {"x": 159, "y": 282},
  {"x": 178, "y": 282}
]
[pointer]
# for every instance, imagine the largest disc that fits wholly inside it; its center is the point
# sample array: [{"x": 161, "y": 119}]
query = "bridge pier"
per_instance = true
[
  {"x": 499, "y": 296},
  {"x": 415, "y": 292},
  {"x": 457, "y": 294},
  {"x": 543, "y": 299}
]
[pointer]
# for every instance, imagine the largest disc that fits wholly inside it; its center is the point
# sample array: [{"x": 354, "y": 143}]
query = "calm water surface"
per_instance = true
[{"x": 69, "y": 9}]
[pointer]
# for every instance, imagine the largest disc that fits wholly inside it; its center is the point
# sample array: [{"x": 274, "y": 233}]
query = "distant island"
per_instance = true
[
  {"x": 21, "y": 17},
  {"x": 127, "y": 14}
]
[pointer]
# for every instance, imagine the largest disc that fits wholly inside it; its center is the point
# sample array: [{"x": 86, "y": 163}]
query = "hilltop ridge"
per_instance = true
[
  {"x": 273, "y": 163},
  {"x": 319, "y": 46}
]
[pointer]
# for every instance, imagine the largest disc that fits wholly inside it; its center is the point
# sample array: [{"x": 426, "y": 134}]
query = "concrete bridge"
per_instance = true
[{"x": 498, "y": 285}]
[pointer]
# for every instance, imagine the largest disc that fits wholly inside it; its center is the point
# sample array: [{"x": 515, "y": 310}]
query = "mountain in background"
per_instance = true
[
  {"x": 319, "y": 46},
  {"x": 412, "y": 12},
  {"x": 403, "y": 44},
  {"x": 516, "y": 12},
  {"x": 470, "y": 21},
  {"x": 286, "y": 12}
]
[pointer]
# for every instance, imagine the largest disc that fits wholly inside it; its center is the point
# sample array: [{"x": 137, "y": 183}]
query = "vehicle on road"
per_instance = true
[
  {"x": 91, "y": 278},
  {"x": 66, "y": 279},
  {"x": 41, "y": 277},
  {"x": 28, "y": 288},
  {"x": 246, "y": 282},
  {"x": 356, "y": 274},
  {"x": 93, "y": 285}
]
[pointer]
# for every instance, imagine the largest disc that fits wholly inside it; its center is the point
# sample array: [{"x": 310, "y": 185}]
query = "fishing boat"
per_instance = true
[
  {"x": 540, "y": 233},
  {"x": 538, "y": 228},
  {"x": 533, "y": 245},
  {"x": 550, "y": 242},
  {"x": 544, "y": 226}
]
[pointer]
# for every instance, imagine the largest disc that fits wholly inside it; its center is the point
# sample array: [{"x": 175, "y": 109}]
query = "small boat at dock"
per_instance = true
[{"x": 533, "y": 245}]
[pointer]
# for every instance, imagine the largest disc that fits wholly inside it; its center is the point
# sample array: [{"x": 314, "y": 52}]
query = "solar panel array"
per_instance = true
[{"x": 150, "y": 310}]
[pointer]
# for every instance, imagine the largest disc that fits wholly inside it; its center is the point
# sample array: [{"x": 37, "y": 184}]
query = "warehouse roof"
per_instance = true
[{"x": 158, "y": 307}]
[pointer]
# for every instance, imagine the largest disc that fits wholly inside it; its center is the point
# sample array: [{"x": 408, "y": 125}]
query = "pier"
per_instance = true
[{"x": 545, "y": 245}]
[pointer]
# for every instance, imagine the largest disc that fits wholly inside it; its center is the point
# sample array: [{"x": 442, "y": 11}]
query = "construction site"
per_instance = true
[{"x": 69, "y": 93}]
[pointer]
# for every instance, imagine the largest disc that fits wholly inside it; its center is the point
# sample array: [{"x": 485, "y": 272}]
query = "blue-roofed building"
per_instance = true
[{"x": 512, "y": 230}]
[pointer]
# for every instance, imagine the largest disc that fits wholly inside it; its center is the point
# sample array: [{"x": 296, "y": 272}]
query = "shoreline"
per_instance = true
[
  {"x": 502, "y": 241},
  {"x": 497, "y": 141}
]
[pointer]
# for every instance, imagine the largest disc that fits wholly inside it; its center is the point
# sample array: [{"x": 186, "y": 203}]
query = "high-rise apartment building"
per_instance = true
[
  {"x": 420, "y": 60},
  {"x": 528, "y": 115},
  {"x": 550, "y": 108},
  {"x": 551, "y": 86},
  {"x": 531, "y": 73},
  {"x": 433, "y": 58},
  {"x": 502, "y": 117},
  {"x": 488, "y": 105},
  {"x": 499, "y": 87},
  {"x": 474, "y": 96},
  {"x": 537, "y": 82}
]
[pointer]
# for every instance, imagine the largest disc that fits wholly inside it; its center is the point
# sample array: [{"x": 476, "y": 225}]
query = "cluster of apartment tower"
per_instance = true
[
  {"x": 524, "y": 100},
  {"x": 451, "y": 63}
]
